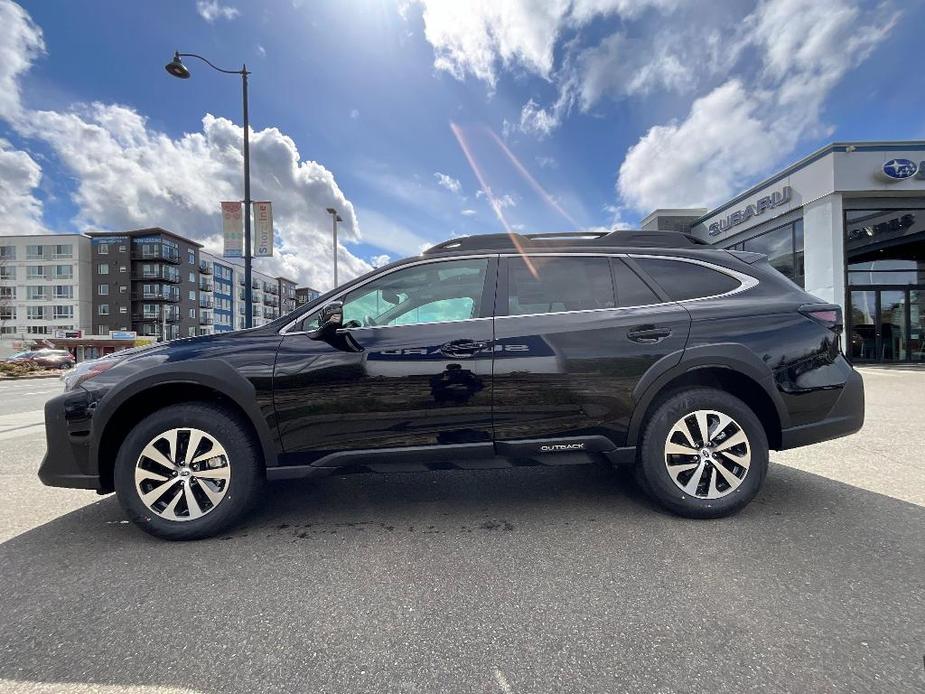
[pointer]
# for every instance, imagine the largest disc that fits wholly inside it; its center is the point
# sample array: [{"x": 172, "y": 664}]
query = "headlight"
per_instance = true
[{"x": 85, "y": 371}]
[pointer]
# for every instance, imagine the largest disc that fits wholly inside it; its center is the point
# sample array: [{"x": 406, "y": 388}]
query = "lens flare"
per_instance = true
[
  {"x": 486, "y": 189},
  {"x": 546, "y": 197}
]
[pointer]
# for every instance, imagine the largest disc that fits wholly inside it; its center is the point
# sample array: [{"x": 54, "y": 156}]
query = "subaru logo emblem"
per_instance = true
[{"x": 900, "y": 169}]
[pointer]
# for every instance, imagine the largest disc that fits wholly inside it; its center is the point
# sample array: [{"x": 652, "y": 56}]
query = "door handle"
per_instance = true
[
  {"x": 462, "y": 349},
  {"x": 648, "y": 333}
]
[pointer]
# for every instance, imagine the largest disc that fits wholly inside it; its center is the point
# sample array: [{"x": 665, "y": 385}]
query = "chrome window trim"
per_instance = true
[
  {"x": 424, "y": 261},
  {"x": 746, "y": 282}
]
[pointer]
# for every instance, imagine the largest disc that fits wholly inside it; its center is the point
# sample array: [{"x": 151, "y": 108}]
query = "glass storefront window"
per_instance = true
[
  {"x": 783, "y": 246},
  {"x": 885, "y": 246}
]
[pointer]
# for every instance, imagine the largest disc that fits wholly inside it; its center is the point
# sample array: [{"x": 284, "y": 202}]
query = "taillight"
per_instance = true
[{"x": 828, "y": 315}]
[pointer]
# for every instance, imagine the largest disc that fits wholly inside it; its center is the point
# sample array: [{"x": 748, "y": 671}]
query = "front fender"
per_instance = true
[{"x": 215, "y": 374}]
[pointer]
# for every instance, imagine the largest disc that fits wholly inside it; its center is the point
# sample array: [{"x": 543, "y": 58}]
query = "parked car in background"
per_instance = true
[
  {"x": 46, "y": 358},
  {"x": 644, "y": 349}
]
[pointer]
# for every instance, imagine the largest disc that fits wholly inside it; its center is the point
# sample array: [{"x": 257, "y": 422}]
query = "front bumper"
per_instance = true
[
  {"x": 67, "y": 433},
  {"x": 845, "y": 417}
]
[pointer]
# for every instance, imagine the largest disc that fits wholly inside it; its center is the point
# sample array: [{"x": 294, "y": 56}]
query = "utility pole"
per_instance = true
[{"x": 335, "y": 219}]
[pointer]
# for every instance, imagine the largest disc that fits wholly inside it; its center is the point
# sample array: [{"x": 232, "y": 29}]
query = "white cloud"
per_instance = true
[
  {"x": 479, "y": 36},
  {"x": 261, "y": 51},
  {"x": 502, "y": 201},
  {"x": 546, "y": 162},
  {"x": 20, "y": 43},
  {"x": 734, "y": 132},
  {"x": 210, "y": 10},
  {"x": 354, "y": 113},
  {"x": 392, "y": 236},
  {"x": 20, "y": 175},
  {"x": 380, "y": 260},
  {"x": 451, "y": 184},
  {"x": 539, "y": 121},
  {"x": 468, "y": 213},
  {"x": 129, "y": 175}
]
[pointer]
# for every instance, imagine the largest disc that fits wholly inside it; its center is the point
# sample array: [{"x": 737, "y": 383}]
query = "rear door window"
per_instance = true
[
  {"x": 631, "y": 290},
  {"x": 553, "y": 284},
  {"x": 682, "y": 280}
]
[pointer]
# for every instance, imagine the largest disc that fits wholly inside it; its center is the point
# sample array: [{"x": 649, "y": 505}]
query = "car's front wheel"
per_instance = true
[
  {"x": 704, "y": 453},
  {"x": 188, "y": 471}
]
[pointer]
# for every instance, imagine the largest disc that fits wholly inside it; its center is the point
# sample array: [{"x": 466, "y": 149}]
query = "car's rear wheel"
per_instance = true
[
  {"x": 188, "y": 471},
  {"x": 704, "y": 454}
]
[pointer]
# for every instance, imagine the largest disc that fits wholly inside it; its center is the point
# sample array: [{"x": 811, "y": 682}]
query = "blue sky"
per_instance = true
[{"x": 611, "y": 106}]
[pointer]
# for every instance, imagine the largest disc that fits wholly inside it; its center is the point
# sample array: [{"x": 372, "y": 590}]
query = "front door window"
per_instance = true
[{"x": 431, "y": 293}]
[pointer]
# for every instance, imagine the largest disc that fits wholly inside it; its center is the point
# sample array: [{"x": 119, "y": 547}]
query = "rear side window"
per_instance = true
[
  {"x": 682, "y": 280},
  {"x": 549, "y": 284},
  {"x": 631, "y": 290}
]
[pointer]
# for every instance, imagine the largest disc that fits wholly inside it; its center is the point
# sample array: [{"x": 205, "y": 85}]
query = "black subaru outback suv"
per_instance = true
[{"x": 639, "y": 348}]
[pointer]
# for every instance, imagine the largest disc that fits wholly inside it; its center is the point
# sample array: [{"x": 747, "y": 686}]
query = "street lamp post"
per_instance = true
[
  {"x": 176, "y": 68},
  {"x": 336, "y": 218}
]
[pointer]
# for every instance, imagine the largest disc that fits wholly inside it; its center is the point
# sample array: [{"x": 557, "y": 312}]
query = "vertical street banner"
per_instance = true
[
  {"x": 263, "y": 230},
  {"x": 233, "y": 229}
]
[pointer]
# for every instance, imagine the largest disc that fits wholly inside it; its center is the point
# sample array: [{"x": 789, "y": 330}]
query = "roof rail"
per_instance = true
[{"x": 620, "y": 237}]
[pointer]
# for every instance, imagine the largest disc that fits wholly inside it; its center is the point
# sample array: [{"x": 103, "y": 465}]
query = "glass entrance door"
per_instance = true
[{"x": 887, "y": 325}]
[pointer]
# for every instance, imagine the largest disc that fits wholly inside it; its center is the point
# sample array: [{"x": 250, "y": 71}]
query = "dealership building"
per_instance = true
[{"x": 847, "y": 223}]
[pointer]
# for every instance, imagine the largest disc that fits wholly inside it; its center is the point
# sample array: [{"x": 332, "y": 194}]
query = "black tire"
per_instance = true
[
  {"x": 653, "y": 473},
  {"x": 244, "y": 486}
]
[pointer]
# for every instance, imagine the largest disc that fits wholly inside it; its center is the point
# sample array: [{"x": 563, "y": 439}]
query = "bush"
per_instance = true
[{"x": 21, "y": 368}]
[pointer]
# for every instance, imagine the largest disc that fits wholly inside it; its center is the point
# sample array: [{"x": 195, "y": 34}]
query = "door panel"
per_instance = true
[
  {"x": 572, "y": 373},
  {"x": 393, "y": 384}
]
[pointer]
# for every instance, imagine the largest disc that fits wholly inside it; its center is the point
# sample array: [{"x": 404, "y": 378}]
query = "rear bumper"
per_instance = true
[
  {"x": 845, "y": 417},
  {"x": 66, "y": 462}
]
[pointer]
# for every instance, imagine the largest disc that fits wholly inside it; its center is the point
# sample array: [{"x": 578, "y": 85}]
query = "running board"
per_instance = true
[{"x": 575, "y": 450}]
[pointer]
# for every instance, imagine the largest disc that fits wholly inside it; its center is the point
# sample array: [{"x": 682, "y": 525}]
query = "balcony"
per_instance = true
[
  {"x": 160, "y": 315},
  {"x": 155, "y": 252},
  {"x": 206, "y": 302},
  {"x": 157, "y": 293},
  {"x": 206, "y": 320},
  {"x": 205, "y": 285},
  {"x": 156, "y": 273},
  {"x": 205, "y": 267}
]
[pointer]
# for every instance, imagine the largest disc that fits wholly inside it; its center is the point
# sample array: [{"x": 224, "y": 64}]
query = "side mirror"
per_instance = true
[{"x": 330, "y": 320}]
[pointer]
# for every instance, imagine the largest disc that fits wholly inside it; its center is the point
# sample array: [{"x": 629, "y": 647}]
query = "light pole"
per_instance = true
[
  {"x": 336, "y": 218},
  {"x": 176, "y": 68}
]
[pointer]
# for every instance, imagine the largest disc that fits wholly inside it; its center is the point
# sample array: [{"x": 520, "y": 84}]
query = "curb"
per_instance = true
[{"x": 30, "y": 377}]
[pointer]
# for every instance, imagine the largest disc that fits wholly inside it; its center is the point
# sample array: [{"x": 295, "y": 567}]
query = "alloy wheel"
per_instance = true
[
  {"x": 707, "y": 454},
  {"x": 182, "y": 474}
]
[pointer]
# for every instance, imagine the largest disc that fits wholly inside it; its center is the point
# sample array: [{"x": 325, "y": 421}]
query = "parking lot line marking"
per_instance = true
[{"x": 502, "y": 682}]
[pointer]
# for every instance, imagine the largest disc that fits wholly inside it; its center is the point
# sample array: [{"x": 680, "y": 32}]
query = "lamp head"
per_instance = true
[
  {"x": 176, "y": 67},
  {"x": 331, "y": 210}
]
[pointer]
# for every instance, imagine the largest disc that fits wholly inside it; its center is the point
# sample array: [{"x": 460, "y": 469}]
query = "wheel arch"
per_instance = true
[
  {"x": 122, "y": 409},
  {"x": 732, "y": 368}
]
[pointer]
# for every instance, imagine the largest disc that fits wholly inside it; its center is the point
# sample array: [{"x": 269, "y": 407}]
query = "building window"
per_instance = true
[
  {"x": 7, "y": 272},
  {"x": 192, "y": 295},
  {"x": 103, "y": 309},
  {"x": 35, "y": 252},
  {"x": 8, "y": 330},
  {"x": 36, "y": 293},
  {"x": 149, "y": 310},
  {"x": 192, "y": 313},
  {"x": 103, "y": 249},
  {"x": 35, "y": 312},
  {"x": 64, "y": 250},
  {"x": 7, "y": 252},
  {"x": 103, "y": 268},
  {"x": 123, "y": 268},
  {"x": 103, "y": 328},
  {"x": 63, "y": 312},
  {"x": 64, "y": 272},
  {"x": 123, "y": 249},
  {"x": 103, "y": 290},
  {"x": 783, "y": 246},
  {"x": 192, "y": 277},
  {"x": 123, "y": 309},
  {"x": 8, "y": 292},
  {"x": 64, "y": 291},
  {"x": 35, "y": 272},
  {"x": 190, "y": 256},
  {"x": 123, "y": 288},
  {"x": 7, "y": 313},
  {"x": 38, "y": 330}
]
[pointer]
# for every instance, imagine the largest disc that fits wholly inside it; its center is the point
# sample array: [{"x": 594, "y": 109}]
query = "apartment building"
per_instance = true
[
  {"x": 268, "y": 294},
  {"x": 44, "y": 285},
  {"x": 287, "y": 298},
  {"x": 305, "y": 294},
  {"x": 149, "y": 281}
]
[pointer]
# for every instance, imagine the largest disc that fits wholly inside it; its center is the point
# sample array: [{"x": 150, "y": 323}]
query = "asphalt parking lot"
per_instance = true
[{"x": 530, "y": 580}]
